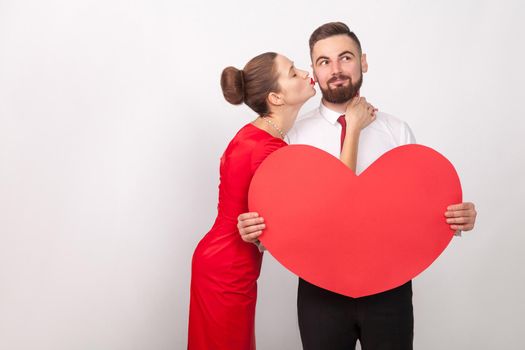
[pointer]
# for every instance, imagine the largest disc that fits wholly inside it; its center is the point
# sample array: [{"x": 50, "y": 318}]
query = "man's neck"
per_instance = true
[{"x": 337, "y": 107}]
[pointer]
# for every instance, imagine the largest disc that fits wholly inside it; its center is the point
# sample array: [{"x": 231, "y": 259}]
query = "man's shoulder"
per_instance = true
[
  {"x": 390, "y": 122},
  {"x": 307, "y": 121},
  {"x": 306, "y": 125},
  {"x": 310, "y": 116},
  {"x": 389, "y": 119},
  {"x": 398, "y": 128}
]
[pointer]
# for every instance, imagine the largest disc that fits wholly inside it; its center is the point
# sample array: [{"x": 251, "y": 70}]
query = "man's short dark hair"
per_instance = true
[{"x": 331, "y": 29}]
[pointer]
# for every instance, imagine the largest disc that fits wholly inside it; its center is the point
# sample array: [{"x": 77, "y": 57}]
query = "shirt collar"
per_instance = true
[{"x": 330, "y": 115}]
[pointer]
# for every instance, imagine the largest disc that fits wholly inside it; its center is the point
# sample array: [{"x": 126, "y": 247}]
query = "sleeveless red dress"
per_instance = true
[{"x": 224, "y": 267}]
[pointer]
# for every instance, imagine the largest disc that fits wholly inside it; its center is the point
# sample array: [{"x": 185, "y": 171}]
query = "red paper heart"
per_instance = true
[{"x": 355, "y": 235}]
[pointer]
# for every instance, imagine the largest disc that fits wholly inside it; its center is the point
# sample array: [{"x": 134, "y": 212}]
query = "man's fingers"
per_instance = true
[
  {"x": 459, "y": 213},
  {"x": 251, "y": 229},
  {"x": 466, "y": 227},
  {"x": 461, "y": 206},
  {"x": 252, "y": 237},
  {"x": 245, "y": 216},
  {"x": 461, "y": 220},
  {"x": 249, "y": 222}
]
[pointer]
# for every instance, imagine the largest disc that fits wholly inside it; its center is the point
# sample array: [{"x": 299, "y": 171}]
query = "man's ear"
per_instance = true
[
  {"x": 275, "y": 99},
  {"x": 364, "y": 63}
]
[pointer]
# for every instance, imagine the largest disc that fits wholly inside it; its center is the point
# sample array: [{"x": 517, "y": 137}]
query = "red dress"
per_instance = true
[{"x": 224, "y": 267}]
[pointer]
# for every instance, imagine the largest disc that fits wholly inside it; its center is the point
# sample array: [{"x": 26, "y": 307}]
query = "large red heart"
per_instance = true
[{"x": 355, "y": 235}]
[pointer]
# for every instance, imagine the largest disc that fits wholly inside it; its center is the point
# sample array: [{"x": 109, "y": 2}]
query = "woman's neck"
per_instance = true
[
  {"x": 278, "y": 123},
  {"x": 271, "y": 125}
]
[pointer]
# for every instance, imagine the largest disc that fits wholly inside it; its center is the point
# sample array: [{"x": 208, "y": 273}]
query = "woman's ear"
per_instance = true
[{"x": 275, "y": 99}]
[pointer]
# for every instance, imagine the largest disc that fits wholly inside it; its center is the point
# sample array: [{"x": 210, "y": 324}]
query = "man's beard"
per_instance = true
[{"x": 341, "y": 94}]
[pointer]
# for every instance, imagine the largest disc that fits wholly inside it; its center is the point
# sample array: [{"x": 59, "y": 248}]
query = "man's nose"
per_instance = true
[{"x": 336, "y": 67}]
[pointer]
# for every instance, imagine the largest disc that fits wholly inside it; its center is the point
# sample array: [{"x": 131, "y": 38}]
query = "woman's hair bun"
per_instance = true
[{"x": 232, "y": 84}]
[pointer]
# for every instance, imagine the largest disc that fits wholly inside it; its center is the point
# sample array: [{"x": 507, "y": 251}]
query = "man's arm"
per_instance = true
[{"x": 460, "y": 217}]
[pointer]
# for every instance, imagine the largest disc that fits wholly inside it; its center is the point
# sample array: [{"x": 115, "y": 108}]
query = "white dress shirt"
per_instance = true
[{"x": 320, "y": 128}]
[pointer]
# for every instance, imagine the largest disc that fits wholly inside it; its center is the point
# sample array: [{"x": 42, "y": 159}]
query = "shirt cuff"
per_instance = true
[{"x": 260, "y": 246}]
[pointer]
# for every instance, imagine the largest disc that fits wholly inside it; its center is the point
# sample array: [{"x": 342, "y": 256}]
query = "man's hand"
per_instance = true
[
  {"x": 461, "y": 216},
  {"x": 250, "y": 226}
]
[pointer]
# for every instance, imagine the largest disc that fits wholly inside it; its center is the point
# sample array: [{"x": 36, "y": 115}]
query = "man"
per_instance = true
[{"x": 328, "y": 320}]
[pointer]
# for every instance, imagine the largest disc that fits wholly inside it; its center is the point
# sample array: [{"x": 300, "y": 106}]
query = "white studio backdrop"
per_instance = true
[{"x": 112, "y": 123}]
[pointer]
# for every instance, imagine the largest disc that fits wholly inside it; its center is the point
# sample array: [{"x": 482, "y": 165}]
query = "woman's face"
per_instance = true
[{"x": 296, "y": 85}]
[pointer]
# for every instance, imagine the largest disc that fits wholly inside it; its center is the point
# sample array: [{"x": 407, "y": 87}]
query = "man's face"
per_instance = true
[{"x": 338, "y": 68}]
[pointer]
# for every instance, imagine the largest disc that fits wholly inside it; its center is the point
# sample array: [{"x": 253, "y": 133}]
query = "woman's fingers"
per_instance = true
[{"x": 360, "y": 113}]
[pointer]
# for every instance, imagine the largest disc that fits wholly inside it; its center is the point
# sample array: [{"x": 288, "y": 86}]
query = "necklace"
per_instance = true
[{"x": 272, "y": 124}]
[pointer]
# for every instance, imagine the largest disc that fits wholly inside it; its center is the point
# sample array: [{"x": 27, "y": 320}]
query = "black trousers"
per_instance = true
[{"x": 330, "y": 321}]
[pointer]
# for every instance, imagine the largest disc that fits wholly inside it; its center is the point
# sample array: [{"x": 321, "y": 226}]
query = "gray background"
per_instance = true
[{"x": 112, "y": 123}]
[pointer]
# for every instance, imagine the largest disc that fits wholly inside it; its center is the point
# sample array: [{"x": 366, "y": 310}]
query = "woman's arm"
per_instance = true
[
  {"x": 349, "y": 151},
  {"x": 359, "y": 114}
]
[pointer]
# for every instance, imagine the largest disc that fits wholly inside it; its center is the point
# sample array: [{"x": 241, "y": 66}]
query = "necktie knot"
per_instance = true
[{"x": 342, "y": 120}]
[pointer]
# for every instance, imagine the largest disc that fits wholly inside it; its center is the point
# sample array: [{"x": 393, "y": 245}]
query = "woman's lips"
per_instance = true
[{"x": 312, "y": 81}]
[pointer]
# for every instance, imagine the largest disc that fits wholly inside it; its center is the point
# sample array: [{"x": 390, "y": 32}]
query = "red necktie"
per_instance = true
[{"x": 342, "y": 121}]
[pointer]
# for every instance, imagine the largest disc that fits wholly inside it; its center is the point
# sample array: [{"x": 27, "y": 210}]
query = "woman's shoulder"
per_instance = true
[
  {"x": 254, "y": 141},
  {"x": 255, "y": 136},
  {"x": 264, "y": 147}
]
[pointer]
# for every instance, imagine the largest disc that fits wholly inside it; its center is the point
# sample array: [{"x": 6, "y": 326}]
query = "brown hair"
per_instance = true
[
  {"x": 252, "y": 84},
  {"x": 330, "y": 29}
]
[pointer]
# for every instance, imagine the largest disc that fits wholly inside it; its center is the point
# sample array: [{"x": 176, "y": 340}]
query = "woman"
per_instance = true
[{"x": 224, "y": 268}]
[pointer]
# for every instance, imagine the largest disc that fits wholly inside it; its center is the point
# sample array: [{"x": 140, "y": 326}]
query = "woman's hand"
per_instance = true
[{"x": 359, "y": 114}]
